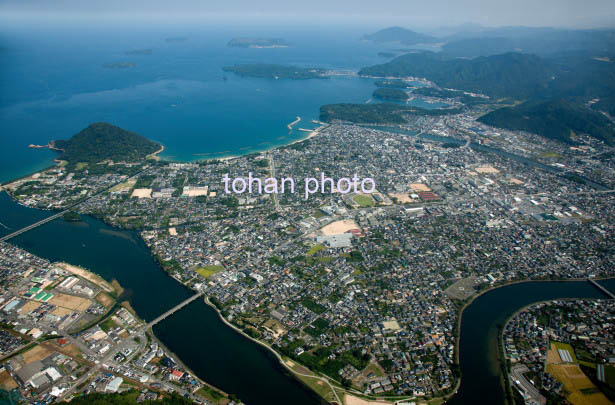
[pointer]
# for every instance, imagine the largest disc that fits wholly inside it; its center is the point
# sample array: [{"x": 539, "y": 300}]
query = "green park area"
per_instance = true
[
  {"x": 209, "y": 270},
  {"x": 363, "y": 200}
]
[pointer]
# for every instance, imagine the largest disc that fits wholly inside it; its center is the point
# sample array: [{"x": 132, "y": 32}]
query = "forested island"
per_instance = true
[
  {"x": 103, "y": 141},
  {"x": 257, "y": 43},
  {"x": 399, "y": 34},
  {"x": 554, "y": 119},
  {"x": 376, "y": 113},
  {"x": 273, "y": 71},
  {"x": 390, "y": 94}
]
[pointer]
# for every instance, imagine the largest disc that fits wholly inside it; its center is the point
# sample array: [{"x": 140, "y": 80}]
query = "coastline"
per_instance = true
[
  {"x": 460, "y": 313},
  {"x": 154, "y": 155}
]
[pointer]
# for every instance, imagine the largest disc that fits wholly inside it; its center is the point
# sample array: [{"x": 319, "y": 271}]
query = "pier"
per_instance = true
[
  {"x": 174, "y": 309},
  {"x": 292, "y": 124},
  {"x": 601, "y": 288},
  {"x": 34, "y": 225}
]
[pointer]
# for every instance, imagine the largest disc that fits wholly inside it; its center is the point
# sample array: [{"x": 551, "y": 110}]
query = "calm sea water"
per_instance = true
[{"x": 53, "y": 84}]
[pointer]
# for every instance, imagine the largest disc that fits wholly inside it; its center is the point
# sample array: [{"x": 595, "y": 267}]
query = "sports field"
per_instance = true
[
  {"x": 364, "y": 200},
  {"x": 35, "y": 354},
  {"x": 210, "y": 270},
  {"x": 71, "y": 302},
  {"x": 339, "y": 227},
  {"x": 29, "y": 307}
]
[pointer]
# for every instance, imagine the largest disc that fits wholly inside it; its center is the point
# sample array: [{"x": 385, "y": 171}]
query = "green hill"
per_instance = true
[
  {"x": 390, "y": 94},
  {"x": 103, "y": 141},
  {"x": 376, "y": 113},
  {"x": 506, "y": 75},
  {"x": 554, "y": 119},
  {"x": 399, "y": 34}
]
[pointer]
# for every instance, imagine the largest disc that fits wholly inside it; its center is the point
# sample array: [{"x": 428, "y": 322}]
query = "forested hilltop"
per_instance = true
[
  {"x": 555, "y": 119},
  {"x": 376, "y": 113},
  {"x": 399, "y": 34},
  {"x": 506, "y": 75},
  {"x": 103, "y": 141},
  {"x": 579, "y": 76}
]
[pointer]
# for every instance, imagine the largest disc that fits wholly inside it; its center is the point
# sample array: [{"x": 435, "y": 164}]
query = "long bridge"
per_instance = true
[
  {"x": 174, "y": 309},
  {"x": 30, "y": 227},
  {"x": 601, "y": 288}
]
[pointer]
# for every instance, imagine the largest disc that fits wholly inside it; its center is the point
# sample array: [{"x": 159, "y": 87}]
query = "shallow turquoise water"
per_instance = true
[{"x": 53, "y": 84}]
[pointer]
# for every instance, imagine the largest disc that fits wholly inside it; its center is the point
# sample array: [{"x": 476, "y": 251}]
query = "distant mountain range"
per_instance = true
[
  {"x": 506, "y": 75},
  {"x": 399, "y": 34},
  {"x": 472, "y": 40},
  {"x": 539, "y": 41},
  {"x": 555, "y": 73}
]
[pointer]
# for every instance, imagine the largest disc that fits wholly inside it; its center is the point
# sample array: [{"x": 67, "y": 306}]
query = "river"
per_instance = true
[{"x": 222, "y": 357}]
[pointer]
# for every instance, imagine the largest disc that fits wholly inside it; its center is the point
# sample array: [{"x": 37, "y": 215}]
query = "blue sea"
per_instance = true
[{"x": 53, "y": 84}]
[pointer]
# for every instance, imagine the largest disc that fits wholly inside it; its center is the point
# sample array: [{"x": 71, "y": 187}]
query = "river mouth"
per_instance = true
[{"x": 228, "y": 360}]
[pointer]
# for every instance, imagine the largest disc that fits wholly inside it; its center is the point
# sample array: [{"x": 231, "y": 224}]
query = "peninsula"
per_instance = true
[{"x": 102, "y": 141}]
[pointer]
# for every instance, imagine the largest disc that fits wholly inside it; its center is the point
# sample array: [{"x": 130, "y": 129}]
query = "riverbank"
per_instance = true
[
  {"x": 495, "y": 287},
  {"x": 493, "y": 357},
  {"x": 91, "y": 277},
  {"x": 284, "y": 364},
  {"x": 178, "y": 360}
]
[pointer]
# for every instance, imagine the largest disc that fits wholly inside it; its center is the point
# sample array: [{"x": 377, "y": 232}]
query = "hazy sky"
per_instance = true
[{"x": 409, "y": 13}]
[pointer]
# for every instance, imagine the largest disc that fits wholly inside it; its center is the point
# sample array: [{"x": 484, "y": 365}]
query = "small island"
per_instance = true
[
  {"x": 104, "y": 142},
  {"x": 139, "y": 52},
  {"x": 272, "y": 71},
  {"x": 257, "y": 43},
  {"x": 390, "y": 94},
  {"x": 119, "y": 65}
]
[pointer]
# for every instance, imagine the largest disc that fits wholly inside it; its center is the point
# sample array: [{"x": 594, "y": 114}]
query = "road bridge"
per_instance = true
[
  {"x": 601, "y": 288},
  {"x": 34, "y": 225},
  {"x": 174, "y": 309}
]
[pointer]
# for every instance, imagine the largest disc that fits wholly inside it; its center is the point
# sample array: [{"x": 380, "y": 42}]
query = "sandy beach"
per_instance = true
[{"x": 155, "y": 154}]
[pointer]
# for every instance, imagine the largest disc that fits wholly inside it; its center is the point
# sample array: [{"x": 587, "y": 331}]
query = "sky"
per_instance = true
[{"x": 408, "y": 13}]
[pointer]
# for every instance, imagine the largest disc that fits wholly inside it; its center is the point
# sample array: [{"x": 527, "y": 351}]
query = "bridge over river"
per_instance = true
[
  {"x": 34, "y": 225},
  {"x": 174, "y": 309}
]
